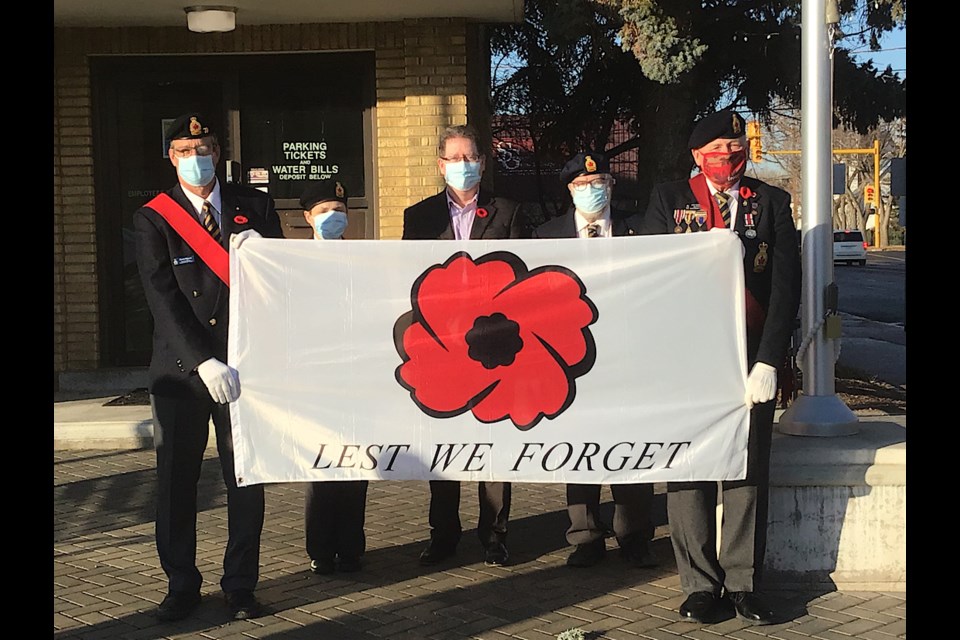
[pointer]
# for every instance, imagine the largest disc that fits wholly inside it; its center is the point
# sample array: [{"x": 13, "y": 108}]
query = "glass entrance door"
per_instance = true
[{"x": 284, "y": 121}]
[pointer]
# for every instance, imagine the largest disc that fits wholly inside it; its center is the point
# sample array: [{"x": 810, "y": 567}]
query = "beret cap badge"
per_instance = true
[
  {"x": 195, "y": 127},
  {"x": 339, "y": 189},
  {"x": 735, "y": 123},
  {"x": 589, "y": 164}
]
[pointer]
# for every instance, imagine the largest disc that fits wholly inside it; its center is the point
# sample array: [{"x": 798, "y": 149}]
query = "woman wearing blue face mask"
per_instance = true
[{"x": 334, "y": 511}]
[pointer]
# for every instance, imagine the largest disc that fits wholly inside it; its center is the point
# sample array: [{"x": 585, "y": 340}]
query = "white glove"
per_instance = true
[
  {"x": 237, "y": 239},
  {"x": 223, "y": 382},
  {"x": 761, "y": 385}
]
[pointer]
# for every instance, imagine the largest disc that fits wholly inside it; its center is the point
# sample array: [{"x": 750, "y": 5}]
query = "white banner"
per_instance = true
[{"x": 610, "y": 361}]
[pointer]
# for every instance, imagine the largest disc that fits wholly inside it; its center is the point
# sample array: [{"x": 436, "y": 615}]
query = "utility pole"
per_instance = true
[{"x": 818, "y": 412}]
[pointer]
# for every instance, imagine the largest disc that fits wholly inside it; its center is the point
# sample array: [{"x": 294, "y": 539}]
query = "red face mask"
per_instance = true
[{"x": 724, "y": 169}]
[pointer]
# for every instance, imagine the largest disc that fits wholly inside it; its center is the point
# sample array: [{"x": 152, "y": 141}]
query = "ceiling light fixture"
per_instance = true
[{"x": 208, "y": 19}]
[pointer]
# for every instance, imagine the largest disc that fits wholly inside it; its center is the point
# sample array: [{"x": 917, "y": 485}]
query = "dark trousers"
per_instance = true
[
  {"x": 334, "y": 517},
  {"x": 691, "y": 511},
  {"x": 181, "y": 430},
  {"x": 632, "y": 522},
  {"x": 445, "y": 526}
]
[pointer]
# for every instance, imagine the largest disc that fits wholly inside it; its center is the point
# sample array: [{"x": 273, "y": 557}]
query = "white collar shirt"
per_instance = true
[
  {"x": 214, "y": 199},
  {"x": 606, "y": 228},
  {"x": 734, "y": 201}
]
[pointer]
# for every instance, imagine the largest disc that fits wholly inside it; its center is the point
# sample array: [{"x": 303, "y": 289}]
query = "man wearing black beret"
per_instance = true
[
  {"x": 587, "y": 177},
  {"x": 721, "y": 196},
  {"x": 182, "y": 240}
]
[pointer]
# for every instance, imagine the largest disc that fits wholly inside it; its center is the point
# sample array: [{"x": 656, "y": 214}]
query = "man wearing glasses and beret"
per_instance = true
[
  {"x": 464, "y": 210},
  {"x": 720, "y": 196},
  {"x": 587, "y": 176},
  {"x": 182, "y": 241}
]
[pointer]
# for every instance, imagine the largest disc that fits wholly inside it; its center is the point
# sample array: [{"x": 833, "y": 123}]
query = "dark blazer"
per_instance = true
[
  {"x": 429, "y": 219},
  {"x": 775, "y": 281},
  {"x": 189, "y": 303},
  {"x": 565, "y": 226}
]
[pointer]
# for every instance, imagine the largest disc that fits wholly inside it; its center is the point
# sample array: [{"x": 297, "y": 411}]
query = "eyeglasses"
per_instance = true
[
  {"x": 462, "y": 159},
  {"x": 593, "y": 184},
  {"x": 200, "y": 150}
]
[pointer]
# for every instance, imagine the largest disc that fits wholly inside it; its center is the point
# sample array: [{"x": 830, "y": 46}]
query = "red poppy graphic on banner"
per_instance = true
[{"x": 491, "y": 337}]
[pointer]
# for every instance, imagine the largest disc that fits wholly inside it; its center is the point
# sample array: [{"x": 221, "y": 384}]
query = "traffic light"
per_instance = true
[
  {"x": 753, "y": 138},
  {"x": 756, "y": 150},
  {"x": 869, "y": 195}
]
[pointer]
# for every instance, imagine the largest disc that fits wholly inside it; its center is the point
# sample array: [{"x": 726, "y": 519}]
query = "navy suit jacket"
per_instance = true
[
  {"x": 565, "y": 226},
  {"x": 771, "y": 261},
  {"x": 429, "y": 219},
  {"x": 189, "y": 303}
]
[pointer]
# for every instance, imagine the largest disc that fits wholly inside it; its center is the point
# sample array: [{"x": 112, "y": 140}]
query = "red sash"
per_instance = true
[
  {"x": 189, "y": 228},
  {"x": 756, "y": 314}
]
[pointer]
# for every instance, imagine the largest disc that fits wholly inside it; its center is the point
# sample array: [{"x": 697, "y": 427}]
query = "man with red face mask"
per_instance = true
[{"x": 720, "y": 196}]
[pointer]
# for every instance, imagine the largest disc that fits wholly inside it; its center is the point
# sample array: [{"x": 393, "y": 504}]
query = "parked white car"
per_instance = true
[{"x": 849, "y": 246}]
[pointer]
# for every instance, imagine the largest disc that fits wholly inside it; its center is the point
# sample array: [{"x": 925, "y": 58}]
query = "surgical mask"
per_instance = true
[
  {"x": 591, "y": 199},
  {"x": 724, "y": 169},
  {"x": 196, "y": 170},
  {"x": 330, "y": 225},
  {"x": 462, "y": 175}
]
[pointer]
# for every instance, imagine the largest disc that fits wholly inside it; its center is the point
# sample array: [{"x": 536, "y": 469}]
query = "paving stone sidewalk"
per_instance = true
[{"x": 107, "y": 578}]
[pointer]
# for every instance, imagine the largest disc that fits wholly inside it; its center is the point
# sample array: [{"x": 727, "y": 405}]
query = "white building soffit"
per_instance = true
[{"x": 170, "y": 13}]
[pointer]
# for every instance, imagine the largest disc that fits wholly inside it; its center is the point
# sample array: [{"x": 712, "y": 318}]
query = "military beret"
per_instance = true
[
  {"x": 722, "y": 124},
  {"x": 582, "y": 164},
  {"x": 323, "y": 190},
  {"x": 189, "y": 126}
]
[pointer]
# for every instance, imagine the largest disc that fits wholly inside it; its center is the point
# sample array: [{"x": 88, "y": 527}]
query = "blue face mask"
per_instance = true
[
  {"x": 591, "y": 200},
  {"x": 330, "y": 225},
  {"x": 196, "y": 170},
  {"x": 462, "y": 175}
]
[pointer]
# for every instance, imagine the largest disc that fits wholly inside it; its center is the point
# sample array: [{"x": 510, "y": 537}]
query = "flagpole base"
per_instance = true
[{"x": 818, "y": 416}]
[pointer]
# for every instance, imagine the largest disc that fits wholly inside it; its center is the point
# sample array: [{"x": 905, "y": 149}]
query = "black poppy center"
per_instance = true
[{"x": 494, "y": 341}]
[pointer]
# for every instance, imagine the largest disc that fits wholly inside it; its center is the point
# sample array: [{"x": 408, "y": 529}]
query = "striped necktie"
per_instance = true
[
  {"x": 593, "y": 230},
  {"x": 723, "y": 199},
  {"x": 209, "y": 223}
]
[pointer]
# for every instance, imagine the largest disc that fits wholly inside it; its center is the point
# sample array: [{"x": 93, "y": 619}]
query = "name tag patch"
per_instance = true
[{"x": 184, "y": 260}]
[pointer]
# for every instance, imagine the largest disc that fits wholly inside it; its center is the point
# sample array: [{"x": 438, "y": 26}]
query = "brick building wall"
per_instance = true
[{"x": 421, "y": 87}]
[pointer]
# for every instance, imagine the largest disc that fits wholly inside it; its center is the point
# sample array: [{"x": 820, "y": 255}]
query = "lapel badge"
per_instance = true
[
  {"x": 239, "y": 219},
  {"x": 481, "y": 212},
  {"x": 760, "y": 262},
  {"x": 590, "y": 164}
]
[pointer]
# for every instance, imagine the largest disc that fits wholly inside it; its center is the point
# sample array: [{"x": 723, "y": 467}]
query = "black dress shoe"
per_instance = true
[
  {"x": 637, "y": 554},
  {"x": 322, "y": 566},
  {"x": 436, "y": 552},
  {"x": 700, "y": 606},
  {"x": 495, "y": 554},
  {"x": 243, "y": 604},
  {"x": 348, "y": 564},
  {"x": 751, "y": 607},
  {"x": 177, "y": 605},
  {"x": 587, "y": 554}
]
